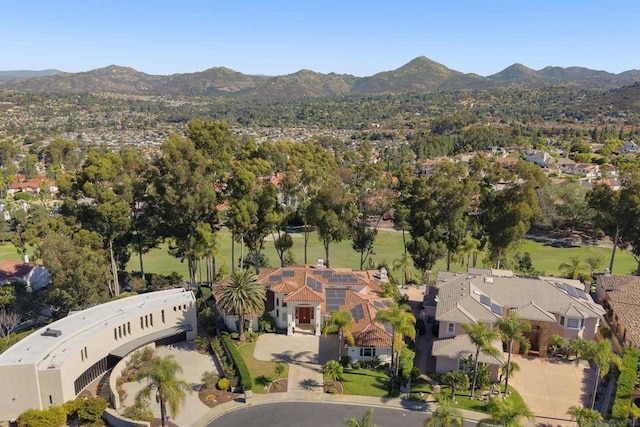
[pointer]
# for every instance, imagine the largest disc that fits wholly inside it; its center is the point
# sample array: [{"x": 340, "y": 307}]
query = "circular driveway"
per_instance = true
[{"x": 296, "y": 414}]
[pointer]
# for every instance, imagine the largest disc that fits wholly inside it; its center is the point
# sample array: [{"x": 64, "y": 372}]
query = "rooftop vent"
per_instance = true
[
  {"x": 320, "y": 263},
  {"x": 383, "y": 274},
  {"x": 488, "y": 279},
  {"x": 52, "y": 332}
]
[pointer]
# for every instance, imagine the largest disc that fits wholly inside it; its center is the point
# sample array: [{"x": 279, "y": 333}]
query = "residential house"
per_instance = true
[
  {"x": 620, "y": 295},
  {"x": 552, "y": 306},
  {"x": 540, "y": 158},
  {"x": 34, "y": 276},
  {"x": 301, "y": 298},
  {"x": 630, "y": 147},
  {"x": 32, "y": 186}
]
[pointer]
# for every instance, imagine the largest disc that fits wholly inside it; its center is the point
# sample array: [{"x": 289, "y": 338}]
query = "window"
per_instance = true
[
  {"x": 146, "y": 321},
  {"x": 277, "y": 301},
  {"x": 461, "y": 366},
  {"x": 119, "y": 331},
  {"x": 284, "y": 304},
  {"x": 115, "y": 334},
  {"x": 151, "y": 319},
  {"x": 129, "y": 328},
  {"x": 451, "y": 328},
  {"x": 82, "y": 355},
  {"x": 367, "y": 351},
  {"x": 86, "y": 355},
  {"x": 162, "y": 314},
  {"x": 572, "y": 322},
  {"x": 141, "y": 323},
  {"x": 277, "y": 312}
]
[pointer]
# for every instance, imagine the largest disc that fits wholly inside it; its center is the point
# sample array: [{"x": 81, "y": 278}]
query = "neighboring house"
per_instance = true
[
  {"x": 553, "y": 307},
  {"x": 540, "y": 158},
  {"x": 301, "y": 299},
  {"x": 586, "y": 170},
  {"x": 620, "y": 295},
  {"x": 34, "y": 276},
  {"x": 32, "y": 186},
  {"x": 630, "y": 147},
  {"x": 56, "y": 363}
]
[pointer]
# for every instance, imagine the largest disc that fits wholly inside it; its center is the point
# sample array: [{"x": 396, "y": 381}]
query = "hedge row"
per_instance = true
[
  {"x": 626, "y": 384},
  {"x": 243, "y": 371}
]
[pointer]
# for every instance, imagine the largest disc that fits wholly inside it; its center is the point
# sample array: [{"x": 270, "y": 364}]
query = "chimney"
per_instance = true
[
  {"x": 26, "y": 259},
  {"x": 320, "y": 263},
  {"x": 607, "y": 272},
  {"x": 383, "y": 275}
]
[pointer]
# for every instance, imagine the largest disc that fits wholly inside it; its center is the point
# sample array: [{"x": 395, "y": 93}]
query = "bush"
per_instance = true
[
  {"x": 372, "y": 363},
  {"x": 209, "y": 379},
  {"x": 141, "y": 411},
  {"x": 332, "y": 390},
  {"x": 201, "y": 343},
  {"x": 626, "y": 384},
  {"x": 223, "y": 384},
  {"x": 394, "y": 393},
  {"x": 345, "y": 361},
  {"x": 53, "y": 416},
  {"x": 266, "y": 323},
  {"x": 91, "y": 411},
  {"x": 243, "y": 371}
]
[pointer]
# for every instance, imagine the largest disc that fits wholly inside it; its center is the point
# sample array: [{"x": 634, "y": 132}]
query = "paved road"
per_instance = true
[{"x": 298, "y": 414}]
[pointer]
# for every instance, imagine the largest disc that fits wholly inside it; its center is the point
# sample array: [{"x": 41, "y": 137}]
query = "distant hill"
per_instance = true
[
  {"x": 419, "y": 75},
  {"x": 627, "y": 97},
  {"x": 25, "y": 74}
]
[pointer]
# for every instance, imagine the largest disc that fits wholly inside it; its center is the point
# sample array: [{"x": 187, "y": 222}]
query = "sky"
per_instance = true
[{"x": 277, "y": 37}]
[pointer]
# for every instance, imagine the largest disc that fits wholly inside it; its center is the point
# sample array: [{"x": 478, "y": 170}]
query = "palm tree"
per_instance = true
[
  {"x": 242, "y": 295},
  {"x": 333, "y": 370},
  {"x": 574, "y": 268},
  {"x": 506, "y": 413},
  {"x": 512, "y": 330},
  {"x": 404, "y": 264},
  {"x": 169, "y": 389},
  {"x": 340, "y": 322},
  {"x": 456, "y": 380},
  {"x": 403, "y": 324},
  {"x": 482, "y": 338},
  {"x": 367, "y": 420},
  {"x": 445, "y": 415},
  {"x": 585, "y": 417}
]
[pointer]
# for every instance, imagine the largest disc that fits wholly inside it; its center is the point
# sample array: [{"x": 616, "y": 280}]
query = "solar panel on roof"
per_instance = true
[
  {"x": 288, "y": 273},
  {"x": 560, "y": 285},
  {"x": 485, "y": 300},
  {"x": 358, "y": 313},
  {"x": 582, "y": 294},
  {"x": 495, "y": 308},
  {"x": 314, "y": 284},
  {"x": 388, "y": 327},
  {"x": 571, "y": 290},
  {"x": 275, "y": 279}
]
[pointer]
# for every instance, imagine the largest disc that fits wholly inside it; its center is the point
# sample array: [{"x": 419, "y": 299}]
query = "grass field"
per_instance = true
[
  {"x": 388, "y": 246},
  {"x": 262, "y": 372},
  {"x": 365, "y": 382}
]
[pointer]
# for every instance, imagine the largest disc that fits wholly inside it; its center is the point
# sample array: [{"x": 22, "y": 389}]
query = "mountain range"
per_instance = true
[{"x": 419, "y": 75}]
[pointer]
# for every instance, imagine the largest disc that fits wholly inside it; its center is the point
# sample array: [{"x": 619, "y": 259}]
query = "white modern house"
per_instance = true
[{"x": 56, "y": 363}]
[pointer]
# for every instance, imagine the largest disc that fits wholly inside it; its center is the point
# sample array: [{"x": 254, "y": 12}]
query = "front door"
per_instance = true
[{"x": 304, "y": 315}]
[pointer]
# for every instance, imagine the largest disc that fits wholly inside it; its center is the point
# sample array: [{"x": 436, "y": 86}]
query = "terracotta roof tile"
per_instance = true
[{"x": 304, "y": 294}]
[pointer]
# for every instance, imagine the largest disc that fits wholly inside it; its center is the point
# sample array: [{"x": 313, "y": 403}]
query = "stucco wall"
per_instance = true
[
  {"x": 18, "y": 391},
  {"x": 384, "y": 354}
]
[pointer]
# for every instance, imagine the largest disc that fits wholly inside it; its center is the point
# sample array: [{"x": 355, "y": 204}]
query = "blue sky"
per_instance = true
[{"x": 359, "y": 37}]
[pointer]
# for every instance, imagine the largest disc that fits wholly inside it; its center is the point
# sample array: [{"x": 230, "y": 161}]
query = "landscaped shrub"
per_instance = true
[
  {"x": 53, "y": 416},
  {"x": 140, "y": 411},
  {"x": 209, "y": 379},
  {"x": 372, "y": 363},
  {"x": 626, "y": 384},
  {"x": 266, "y": 323},
  {"x": 345, "y": 361},
  {"x": 223, "y": 384},
  {"x": 90, "y": 413},
  {"x": 243, "y": 371}
]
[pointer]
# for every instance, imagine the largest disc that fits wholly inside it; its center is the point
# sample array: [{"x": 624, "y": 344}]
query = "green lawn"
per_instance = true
[
  {"x": 261, "y": 371},
  {"x": 365, "y": 382}
]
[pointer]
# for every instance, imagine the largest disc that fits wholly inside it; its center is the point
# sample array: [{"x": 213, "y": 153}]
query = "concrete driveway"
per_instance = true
[
  {"x": 305, "y": 354},
  {"x": 550, "y": 386}
]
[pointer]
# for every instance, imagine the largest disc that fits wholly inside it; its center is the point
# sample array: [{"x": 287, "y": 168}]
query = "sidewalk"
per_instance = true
[{"x": 297, "y": 396}]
